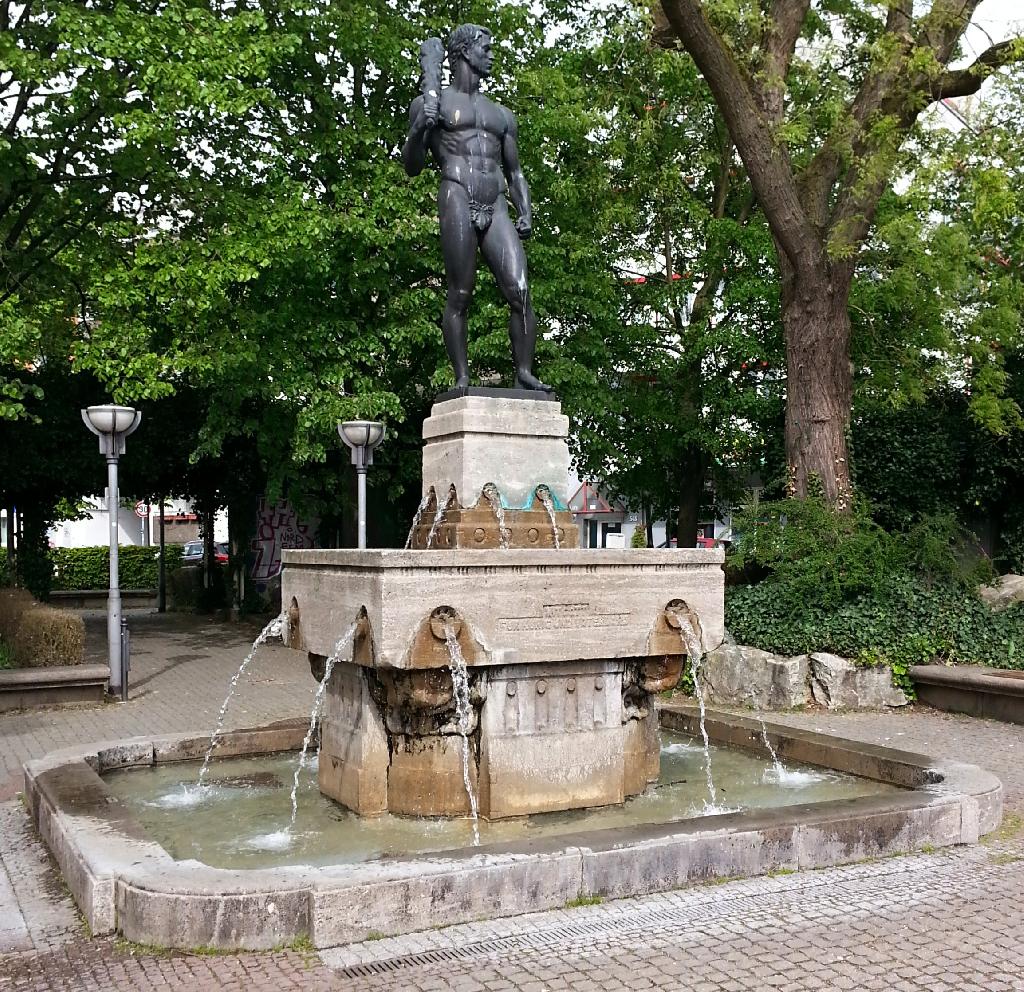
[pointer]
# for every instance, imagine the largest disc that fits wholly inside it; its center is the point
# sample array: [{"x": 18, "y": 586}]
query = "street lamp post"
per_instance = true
[
  {"x": 362, "y": 436},
  {"x": 112, "y": 424}
]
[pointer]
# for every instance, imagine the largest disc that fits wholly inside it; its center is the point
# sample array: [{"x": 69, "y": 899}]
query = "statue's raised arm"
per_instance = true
[{"x": 424, "y": 109}]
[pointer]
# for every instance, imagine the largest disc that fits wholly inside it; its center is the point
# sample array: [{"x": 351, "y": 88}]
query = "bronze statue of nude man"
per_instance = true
[{"x": 473, "y": 140}]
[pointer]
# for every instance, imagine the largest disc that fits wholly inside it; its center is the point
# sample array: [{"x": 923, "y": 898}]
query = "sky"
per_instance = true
[{"x": 997, "y": 18}]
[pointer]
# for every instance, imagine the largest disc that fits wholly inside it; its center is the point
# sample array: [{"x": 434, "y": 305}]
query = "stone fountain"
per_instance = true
[{"x": 565, "y": 648}]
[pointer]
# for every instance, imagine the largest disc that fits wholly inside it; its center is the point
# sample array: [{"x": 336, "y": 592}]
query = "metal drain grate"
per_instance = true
[
  {"x": 519, "y": 941},
  {"x": 618, "y": 926}
]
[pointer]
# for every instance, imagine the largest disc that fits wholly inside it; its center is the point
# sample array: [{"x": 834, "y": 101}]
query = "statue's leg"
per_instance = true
[
  {"x": 458, "y": 245},
  {"x": 503, "y": 251}
]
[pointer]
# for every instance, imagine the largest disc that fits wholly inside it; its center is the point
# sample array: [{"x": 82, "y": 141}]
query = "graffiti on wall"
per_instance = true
[{"x": 277, "y": 528}]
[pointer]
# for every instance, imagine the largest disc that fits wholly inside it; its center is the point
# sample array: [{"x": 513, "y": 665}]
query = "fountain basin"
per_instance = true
[
  {"x": 124, "y": 881},
  {"x": 564, "y": 648},
  {"x": 520, "y": 606}
]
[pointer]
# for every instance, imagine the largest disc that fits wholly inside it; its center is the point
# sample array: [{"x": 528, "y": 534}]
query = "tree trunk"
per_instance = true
[
  {"x": 691, "y": 493},
  {"x": 819, "y": 381}
]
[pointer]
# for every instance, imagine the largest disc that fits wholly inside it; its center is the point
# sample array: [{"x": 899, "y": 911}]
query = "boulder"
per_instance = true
[
  {"x": 839, "y": 684},
  {"x": 1004, "y": 592},
  {"x": 745, "y": 676}
]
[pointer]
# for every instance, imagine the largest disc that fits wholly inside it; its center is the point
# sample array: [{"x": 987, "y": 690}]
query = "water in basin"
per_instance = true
[{"x": 241, "y": 820}]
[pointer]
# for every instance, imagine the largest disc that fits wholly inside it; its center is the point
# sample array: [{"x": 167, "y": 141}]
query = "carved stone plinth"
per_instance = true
[
  {"x": 541, "y": 738},
  {"x": 489, "y": 526},
  {"x": 513, "y": 444}
]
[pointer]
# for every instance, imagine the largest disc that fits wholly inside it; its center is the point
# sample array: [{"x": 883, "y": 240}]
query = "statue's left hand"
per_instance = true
[{"x": 524, "y": 227}]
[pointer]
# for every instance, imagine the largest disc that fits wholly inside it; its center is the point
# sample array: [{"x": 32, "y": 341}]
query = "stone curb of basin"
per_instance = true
[{"x": 123, "y": 881}]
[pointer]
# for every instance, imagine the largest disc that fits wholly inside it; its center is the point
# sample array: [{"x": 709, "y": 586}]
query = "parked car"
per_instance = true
[
  {"x": 192, "y": 553},
  {"x": 702, "y": 542}
]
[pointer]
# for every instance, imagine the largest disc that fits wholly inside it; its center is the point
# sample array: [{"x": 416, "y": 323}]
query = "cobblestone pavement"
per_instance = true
[{"x": 948, "y": 921}]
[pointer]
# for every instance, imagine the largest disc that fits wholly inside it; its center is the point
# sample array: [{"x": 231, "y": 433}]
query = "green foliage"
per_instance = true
[
  {"x": 674, "y": 376},
  {"x": 686, "y": 684},
  {"x": 205, "y": 216},
  {"x": 6, "y": 657},
  {"x": 840, "y": 583},
  {"x": 821, "y": 557},
  {"x": 89, "y": 568},
  {"x": 639, "y": 538},
  {"x": 902, "y": 623}
]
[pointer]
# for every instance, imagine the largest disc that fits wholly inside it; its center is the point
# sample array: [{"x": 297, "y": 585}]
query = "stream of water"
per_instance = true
[
  {"x": 416, "y": 520},
  {"x": 460, "y": 683},
  {"x": 442, "y": 509},
  {"x": 695, "y": 652},
  {"x": 493, "y": 498},
  {"x": 272, "y": 629},
  {"x": 340, "y": 646},
  {"x": 544, "y": 495}
]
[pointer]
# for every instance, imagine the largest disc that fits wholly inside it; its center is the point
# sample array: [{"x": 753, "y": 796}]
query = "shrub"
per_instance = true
[
  {"x": 34, "y": 569},
  {"x": 820, "y": 557},
  {"x": 89, "y": 568},
  {"x": 46, "y": 637},
  {"x": 840, "y": 583},
  {"x": 639, "y": 538},
  {"x": 14, "y": 603}
]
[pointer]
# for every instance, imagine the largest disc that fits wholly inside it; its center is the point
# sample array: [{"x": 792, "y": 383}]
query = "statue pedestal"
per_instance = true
[{"x": 514, "y": 444}]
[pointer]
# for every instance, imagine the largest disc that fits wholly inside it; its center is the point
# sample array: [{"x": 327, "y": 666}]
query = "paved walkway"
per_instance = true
[{"x": 949, "y": 921}]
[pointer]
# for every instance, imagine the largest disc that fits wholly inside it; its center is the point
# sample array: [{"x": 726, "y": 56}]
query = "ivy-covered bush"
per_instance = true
[
  {"x": 840, "y": 583},
  {"x": 89, "y": 568}
]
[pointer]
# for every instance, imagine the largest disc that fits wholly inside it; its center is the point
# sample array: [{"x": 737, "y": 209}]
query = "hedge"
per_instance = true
[
  {"x": 38, "y": 636},
  {"x": 47, "y": 637},
  {"x": 89, "y": 568}
]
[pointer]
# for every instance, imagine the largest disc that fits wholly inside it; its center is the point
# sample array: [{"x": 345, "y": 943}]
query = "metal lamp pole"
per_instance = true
[
  {"x": 112, "y": 424},
  {"x": 361, "y": 436}
]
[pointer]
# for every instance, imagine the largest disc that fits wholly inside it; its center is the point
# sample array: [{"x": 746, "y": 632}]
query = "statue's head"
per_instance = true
[{"x": 471, "y": 43}]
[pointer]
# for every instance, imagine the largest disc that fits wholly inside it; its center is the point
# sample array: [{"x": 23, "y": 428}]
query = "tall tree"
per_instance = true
[
  {"x": 669, "y": 351},
  {"x": 819, "y": 98},
  {"x": 110, "y": 111}
]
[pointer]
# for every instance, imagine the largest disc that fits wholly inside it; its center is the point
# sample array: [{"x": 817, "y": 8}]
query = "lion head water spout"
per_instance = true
[{"x": 493, "y": 497}]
